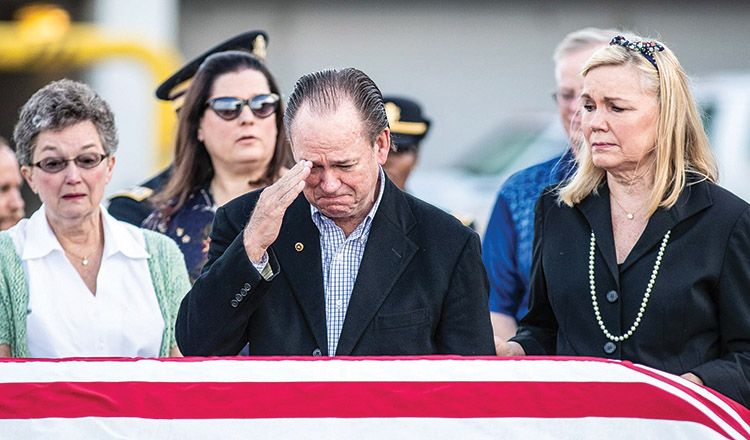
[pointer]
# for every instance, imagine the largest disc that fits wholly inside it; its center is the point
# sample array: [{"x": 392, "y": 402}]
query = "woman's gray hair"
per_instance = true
[{"x": 58, "y": 105}]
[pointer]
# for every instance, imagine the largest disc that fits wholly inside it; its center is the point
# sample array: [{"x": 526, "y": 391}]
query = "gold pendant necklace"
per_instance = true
[
  {"x": 84, "y": 260},
  {"x": 629, "y": 215}
]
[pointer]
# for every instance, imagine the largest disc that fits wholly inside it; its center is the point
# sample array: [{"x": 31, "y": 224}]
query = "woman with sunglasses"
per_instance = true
[
  {"x": 230, "y": 140},
  {"x": 76, "y": 281}
]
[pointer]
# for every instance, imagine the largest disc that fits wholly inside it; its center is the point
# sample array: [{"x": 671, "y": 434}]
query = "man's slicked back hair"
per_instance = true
[{"x": 323, "y": 92}]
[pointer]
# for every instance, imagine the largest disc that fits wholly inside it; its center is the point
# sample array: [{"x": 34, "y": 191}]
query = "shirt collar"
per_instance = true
[
  {"x": 39, "y": 238},
  {"x": 120, "y": 237},
  {"x": 363, "y": 228},
  {"x": 41, "y": 241}
]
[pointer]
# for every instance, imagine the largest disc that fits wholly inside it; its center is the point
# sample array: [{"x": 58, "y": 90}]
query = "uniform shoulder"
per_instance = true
[
  {"x": 141, "y": 192},
  {"x": 137, "y": 193}
]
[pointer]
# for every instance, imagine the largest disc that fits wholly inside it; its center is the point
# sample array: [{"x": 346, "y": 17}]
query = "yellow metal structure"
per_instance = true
[{"x": 43, "y": 37}]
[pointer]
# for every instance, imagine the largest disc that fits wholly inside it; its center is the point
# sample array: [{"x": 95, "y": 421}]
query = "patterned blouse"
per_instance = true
[{"x": 190, "y": 227}]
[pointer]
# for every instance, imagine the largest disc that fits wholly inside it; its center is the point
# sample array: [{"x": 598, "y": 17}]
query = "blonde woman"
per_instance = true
[{"x": 641, "y": 256}]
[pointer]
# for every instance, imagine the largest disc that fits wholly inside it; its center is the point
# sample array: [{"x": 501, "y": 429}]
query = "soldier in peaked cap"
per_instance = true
[
  {"x": 174, "y": 88},
  {"x": 132, "y": 204},
  {"x": 408, "y": 128}
]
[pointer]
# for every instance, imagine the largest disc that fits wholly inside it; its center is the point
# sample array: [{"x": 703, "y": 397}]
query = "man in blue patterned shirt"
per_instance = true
[
  {"x": 334, "y": 259},
  {"x": 506, "y": 250}
]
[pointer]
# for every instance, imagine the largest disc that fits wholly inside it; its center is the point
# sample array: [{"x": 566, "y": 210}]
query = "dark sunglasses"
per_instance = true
[
  {"x": 228, "y": 107},
  {"x": 85, "y": 161}
]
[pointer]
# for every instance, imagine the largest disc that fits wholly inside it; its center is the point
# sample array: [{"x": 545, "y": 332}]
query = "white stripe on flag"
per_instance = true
[
  {"x": 360, "y": 429},
  {"x": 333, "y": 370}
]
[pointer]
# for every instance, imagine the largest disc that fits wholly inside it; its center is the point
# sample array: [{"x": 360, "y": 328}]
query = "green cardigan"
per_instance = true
[{"x": 168, "y": 273}]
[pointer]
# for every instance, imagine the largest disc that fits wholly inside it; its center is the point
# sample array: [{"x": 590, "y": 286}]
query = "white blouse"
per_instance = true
[{"x": 64, "y": 318}]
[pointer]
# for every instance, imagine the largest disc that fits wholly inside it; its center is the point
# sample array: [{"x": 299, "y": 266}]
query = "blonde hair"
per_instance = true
[{"x": 681, "y": 143}]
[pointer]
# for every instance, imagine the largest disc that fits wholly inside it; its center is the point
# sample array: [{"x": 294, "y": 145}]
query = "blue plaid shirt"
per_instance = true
[{"x": 341, "y": 256}]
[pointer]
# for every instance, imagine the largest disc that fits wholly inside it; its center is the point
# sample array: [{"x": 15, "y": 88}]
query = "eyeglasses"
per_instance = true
[
  {"x": 229, "y": 107},
  {"x": 564, "y": 98},
  {"x": 84, "y": 161}
]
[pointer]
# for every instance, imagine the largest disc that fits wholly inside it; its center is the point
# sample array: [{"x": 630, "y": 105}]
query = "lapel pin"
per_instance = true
[{"x": 299, "y": 246}]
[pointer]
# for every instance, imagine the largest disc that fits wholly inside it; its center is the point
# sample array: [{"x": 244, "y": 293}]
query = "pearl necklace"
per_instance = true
[{"x": 646, "y": 295}]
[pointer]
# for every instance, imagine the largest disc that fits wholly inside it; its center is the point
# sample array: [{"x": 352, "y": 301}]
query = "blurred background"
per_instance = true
[{"x": 482, "y": 70}]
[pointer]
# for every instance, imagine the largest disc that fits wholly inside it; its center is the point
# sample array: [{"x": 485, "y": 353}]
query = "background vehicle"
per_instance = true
[
  {"x": 469, "y": 187},
  {"x": 725, "y": 100}
]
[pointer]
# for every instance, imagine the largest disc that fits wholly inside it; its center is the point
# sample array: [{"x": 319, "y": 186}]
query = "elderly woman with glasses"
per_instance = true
[
  {"x": 75, "y": 281},
  {"x": 230, "y": 140},
  {"x": 640, "y": 256}
]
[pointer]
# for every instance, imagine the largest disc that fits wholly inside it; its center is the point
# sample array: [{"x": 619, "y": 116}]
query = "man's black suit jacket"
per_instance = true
[{"x": 421, "y": 288}]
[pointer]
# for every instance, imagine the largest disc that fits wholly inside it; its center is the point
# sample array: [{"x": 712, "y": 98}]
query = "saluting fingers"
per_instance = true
[
  {"x": 297, "y": 180},
  {"x": 263, "y": 226},
  {"x": 292, "y": 194},
  {"x": 299, "y": 172},
  {"x": 291, "y": 179}
]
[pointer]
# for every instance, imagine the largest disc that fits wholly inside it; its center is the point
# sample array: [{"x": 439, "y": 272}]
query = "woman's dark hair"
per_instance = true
[{"x": 192, "y": 166}]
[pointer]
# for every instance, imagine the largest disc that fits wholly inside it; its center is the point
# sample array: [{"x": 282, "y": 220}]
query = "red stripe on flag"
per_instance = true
[
  {"x": 211, "y": 400},
  {"x": 715, "y": 408}
]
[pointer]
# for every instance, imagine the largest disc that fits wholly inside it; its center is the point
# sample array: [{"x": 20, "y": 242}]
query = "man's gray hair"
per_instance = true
[
  {"x": 58, "y": 105},
  {"x": 325, "y": 90},
  {"x": 582, "y": 39}
]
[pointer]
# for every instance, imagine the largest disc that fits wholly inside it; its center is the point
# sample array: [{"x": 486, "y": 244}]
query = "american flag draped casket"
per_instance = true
[{"x": 361, "y": 398}]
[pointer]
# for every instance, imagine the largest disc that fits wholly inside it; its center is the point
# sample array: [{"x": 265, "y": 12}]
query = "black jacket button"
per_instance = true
[
  {"x": 610, "y": 347},
  {"x": 234, "y": 303},
  {"x": 612, "y": 296},
  {"x": 317, "y": 352}
]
